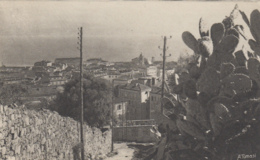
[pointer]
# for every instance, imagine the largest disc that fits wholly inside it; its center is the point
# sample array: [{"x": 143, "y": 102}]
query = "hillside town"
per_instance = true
[{"x": 138, "y": 82}]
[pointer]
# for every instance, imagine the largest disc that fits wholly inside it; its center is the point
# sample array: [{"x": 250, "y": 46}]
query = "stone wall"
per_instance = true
[{"x": 45, "y": 135}]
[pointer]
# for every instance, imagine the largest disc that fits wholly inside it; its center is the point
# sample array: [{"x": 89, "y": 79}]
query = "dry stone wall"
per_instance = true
[{"x": 45, "y": 135}]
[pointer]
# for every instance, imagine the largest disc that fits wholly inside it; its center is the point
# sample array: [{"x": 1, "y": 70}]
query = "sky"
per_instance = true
[{"x": 32, "y": 31}]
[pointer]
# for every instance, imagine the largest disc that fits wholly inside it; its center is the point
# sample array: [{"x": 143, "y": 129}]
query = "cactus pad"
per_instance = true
[
  {"x": 190, "y": 89},
  {"x": 233, "y": 31},
  {"x": 177, "y": 89},
  {"x": 228, "y": 44},
  {"x": 190, "y": 41},
  {"x": 236, "y": 84},
  {"x": 203, "y": 98},
  {"x": 228, "y": 102},
  {"x": 252, "y": 44},
  {"x": 205, "y": 46},
  {"x": 242, "y": 70},
  {"x": 209, "y": 82},
  {"x": 194, "y": 70},
  {"x": 226, "y": 69},
  {"x": 203, "y": 28},
  {"x": 244, "y": 17},
  {"x": 217, "y": 32},
  {"x": 228, "y": 22},
  {"x": 241, "y": 58},
  {"x": 195, "y": 110},
  {"x": 213, "y": 61},
  {"x": 215, "y": 124},
  {"x": 192, "y": 107},
  {"x": 255, "y": 24},
  {"x": 190, "y": 129},
  {"x": 221, "y": 111},
  {"x": 223, "y": 52},
  {"x": 203, "y": 119},
  {"x": 183, "y": 77},
  {"x": 257, "y": 112},
  {"x": 253, "y": 69},
  {"x": 202, "y": 64}
]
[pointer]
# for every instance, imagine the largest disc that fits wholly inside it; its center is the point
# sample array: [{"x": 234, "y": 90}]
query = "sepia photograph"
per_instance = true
[{"x": 129, "y": 80}]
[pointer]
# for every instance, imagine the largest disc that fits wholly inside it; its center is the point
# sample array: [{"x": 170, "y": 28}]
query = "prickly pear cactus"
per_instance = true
[
  {"x": 209, "y": 82},
  {"x": 190, "y": 129},
  {"x": 205, "y": 46},
  {"x": 254, "y": 26},
  {"x": 236, "y": 84},
  {"x": 190, "y": 41},
  {"x": 220, "y": 92},
  {"x": 217, "y": 33},
  {"x": 241, "y": 58},
  {"x": 242, "y": 70},
  {"x": 203, "y": 28},
  {"x": 226, "y": 69}
]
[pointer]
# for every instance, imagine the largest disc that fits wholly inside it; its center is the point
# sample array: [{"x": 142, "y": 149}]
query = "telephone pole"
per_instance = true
[
  {"x": 163, "y": 70},
  {"x": 112, "y": 118},
  {"x": 81, "y": 96}
]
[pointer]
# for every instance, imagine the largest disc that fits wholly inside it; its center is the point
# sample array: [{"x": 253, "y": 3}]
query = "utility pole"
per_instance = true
[
  {"x": 163, "y": 74},
  {"x": 81, "y": 95},
  {"x": 112, "y": 116}
]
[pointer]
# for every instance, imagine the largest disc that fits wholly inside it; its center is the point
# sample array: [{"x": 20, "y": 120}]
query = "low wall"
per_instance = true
[
  {"x": 141, "y": 134},
  {"x": 45, "y": 135}
]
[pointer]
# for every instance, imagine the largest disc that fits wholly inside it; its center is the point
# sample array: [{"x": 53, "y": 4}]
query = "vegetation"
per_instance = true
[
  {"x": 11, "y": 93},
  {"x": 218, "y": 109},
  {"x": 183, "y": 63},
  {"x": 97, "y": 101}
]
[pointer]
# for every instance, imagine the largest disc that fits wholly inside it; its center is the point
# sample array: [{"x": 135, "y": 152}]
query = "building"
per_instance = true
[
  {"x": 140, "y": 60},
  {"x": 148, "y": 81},
  {"x": 111, "y": 76},
  {"x": 155, "y": 102},
  {"x": 127, "y": 72},
  {"x": 13, "y": 69},
  {"x": 43, "y": 63},
  {"x": 57, "y": 80},
  {"x": 119, "y": 81},
  {"x": 99, "y": 74},
  {"x": 119, "y": 110},
  {"x": 151, "y": 71},
  {"x": 137, "y": 96},
  {"x": 60, "y": 66},
  {"x": 13, "y": 80}
]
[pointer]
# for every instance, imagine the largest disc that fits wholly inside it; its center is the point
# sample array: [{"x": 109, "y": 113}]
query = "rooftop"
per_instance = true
[
  {"x": 136, "y": 87},
  {"x": 119, "y": 100}
]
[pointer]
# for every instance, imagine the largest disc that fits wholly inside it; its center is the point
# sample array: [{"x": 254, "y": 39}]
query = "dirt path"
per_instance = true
[
  {"x": 129, "y": 151},
  {"x": 123, "y": 152}
]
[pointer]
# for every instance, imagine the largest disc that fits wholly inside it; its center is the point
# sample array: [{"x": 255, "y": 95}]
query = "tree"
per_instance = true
[
  {"x": 96, "y": 99},
  {"x": 11, "y": 93}
]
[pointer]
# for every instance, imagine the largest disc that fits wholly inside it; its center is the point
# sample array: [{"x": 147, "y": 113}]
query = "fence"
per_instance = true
[{"x": 135, "y": 131}]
